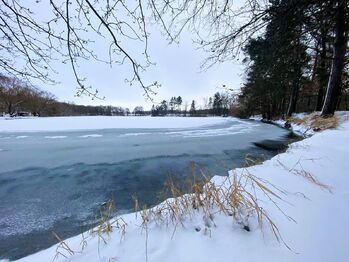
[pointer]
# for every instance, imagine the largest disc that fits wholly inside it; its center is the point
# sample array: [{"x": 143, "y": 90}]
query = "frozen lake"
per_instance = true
[{"x": 57, "y": 180}]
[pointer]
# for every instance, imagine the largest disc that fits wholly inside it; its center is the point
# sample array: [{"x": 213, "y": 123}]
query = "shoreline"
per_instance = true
[
  {"x": 303, "y": 237},
  {"x": 24, "y": 250}
]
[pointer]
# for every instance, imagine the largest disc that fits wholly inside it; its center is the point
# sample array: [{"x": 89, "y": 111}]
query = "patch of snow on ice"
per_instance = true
[
  {"x": 92, "y": 135},
  {"x": 55, "y": 137},
  {"x": 134, "y": 134},
  {"x": 235, "y": 129}
]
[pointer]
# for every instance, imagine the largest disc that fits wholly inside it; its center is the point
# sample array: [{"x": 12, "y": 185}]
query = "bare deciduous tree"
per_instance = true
[
  {"x": 221, "y": 26},
  {"x": 11, "y": 94},
  {"x": 29, "y": 44}
]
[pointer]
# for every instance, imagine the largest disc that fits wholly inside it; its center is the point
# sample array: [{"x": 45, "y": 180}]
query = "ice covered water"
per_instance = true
[{"x": 57, "y": 181}]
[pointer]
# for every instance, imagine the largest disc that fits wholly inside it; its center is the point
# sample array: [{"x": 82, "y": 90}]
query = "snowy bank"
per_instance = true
[
  {"x": 305, "y": 193},
  {"x": 304, "y": 124},
  {"x": 102, "y": 122}
]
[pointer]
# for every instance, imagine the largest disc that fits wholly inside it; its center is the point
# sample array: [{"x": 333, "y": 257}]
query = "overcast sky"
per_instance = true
[{"x": 177, "y": 69}]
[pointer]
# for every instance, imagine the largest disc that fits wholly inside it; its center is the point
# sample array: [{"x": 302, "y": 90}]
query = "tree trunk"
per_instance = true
[
  {"x": 335, "y": 81},
  {"x": 320, "y": 98},
  {"x": 294, "y": 97},
  {"x": 322, "y": 72},
  {"x": 295, "y": 86},
  {"x": 9, "y": 109},
  {"x": 296, "y": 77}
]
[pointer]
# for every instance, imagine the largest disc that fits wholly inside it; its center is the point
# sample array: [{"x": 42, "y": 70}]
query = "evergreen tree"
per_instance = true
[
  {"x": 192, "y": 109},
  {"x": 172, "y": 104},
  {"x": 217, "y": 104},
  {"x": 179, "y": 102},
  {"x": 277, "y": 62}
]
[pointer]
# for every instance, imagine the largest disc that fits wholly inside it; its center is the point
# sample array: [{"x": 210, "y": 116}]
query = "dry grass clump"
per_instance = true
[
  {"x": 251, "y": 160},
  {"x": 297, "y": 120},
  {"x": 107, "y": 222},
  {"x": 316, "y": 122},
  {"x": 321, "y": 123},
  {"x": 236, "y": 198}
]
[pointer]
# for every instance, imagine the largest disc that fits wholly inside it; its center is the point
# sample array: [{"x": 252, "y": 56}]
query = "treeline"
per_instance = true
[
  {"x": 69, "y": 109},
  {"x": 220, "y": 104},
  {"x": 16, "y": 97},
  {"x": 19, "y": 99},
  {"x": 301, "y": 61}
]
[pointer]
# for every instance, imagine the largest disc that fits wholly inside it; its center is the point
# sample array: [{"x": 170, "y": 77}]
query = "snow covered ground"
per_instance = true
[
  {"x": 312, "y": 219},
  {"x": 29, "y": 124},
  {"x": 303, "y": 129}
]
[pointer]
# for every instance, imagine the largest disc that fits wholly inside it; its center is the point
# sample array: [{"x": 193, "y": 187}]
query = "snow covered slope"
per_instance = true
[{"x": 318, "y": 230}]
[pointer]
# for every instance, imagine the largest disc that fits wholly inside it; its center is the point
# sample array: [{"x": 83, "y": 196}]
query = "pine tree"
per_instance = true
[
  {"x": 192, "y": 109},
  {"x": 276, "y": 65},
  {"x": 217, "y": 104},
  {"x": 179, "y": 102}
]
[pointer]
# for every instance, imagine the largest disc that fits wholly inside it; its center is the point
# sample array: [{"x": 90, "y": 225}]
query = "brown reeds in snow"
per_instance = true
[
  {"x": 106, "y": 223},
  {"x": 316, "y": 122},
  {"x": 236, "y": 198}
]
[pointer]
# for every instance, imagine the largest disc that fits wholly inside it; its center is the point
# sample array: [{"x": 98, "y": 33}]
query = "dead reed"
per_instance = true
[
  {"x": 298, "y": 170},
  {"x": 62, "y": 249},
  {"x": 107, "y": 222}
]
